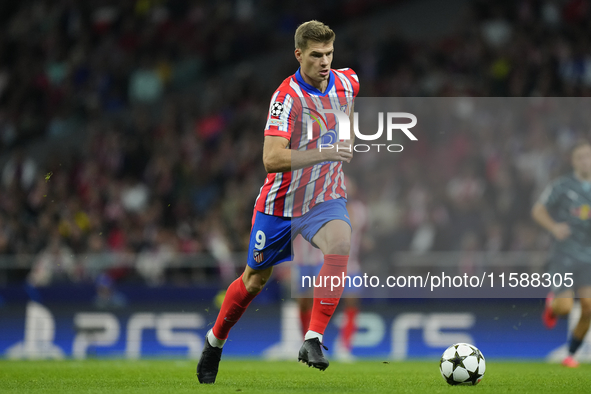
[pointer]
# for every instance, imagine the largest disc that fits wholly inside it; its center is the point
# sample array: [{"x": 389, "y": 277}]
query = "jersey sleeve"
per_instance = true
[
  {"x": 551, "y": 194},
  {"x": 282, "y": 115},
  {"x": 353, "y": 79}
]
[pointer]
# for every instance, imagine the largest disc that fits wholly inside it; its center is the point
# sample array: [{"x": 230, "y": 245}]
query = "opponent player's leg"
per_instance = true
[
  {"x": 560, "y": 300},
  {"x": 558, "y": 304},
  {"x": 305, "y": 307},
  {"x": 581, "y": 329},
  {"x": 305, "y": 295},
  {"x": 348, "y": 329},
  {"x": 334, "y": 240}
]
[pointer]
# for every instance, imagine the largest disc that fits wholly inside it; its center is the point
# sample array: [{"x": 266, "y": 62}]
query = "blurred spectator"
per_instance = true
[
  {"x": 145, "y": 83},
  {"x": 54, "y": 264},
  {"x": 168, "y": 101},
  {"x": 154, "y": 259},
  {"x": 20, "y": 170}
]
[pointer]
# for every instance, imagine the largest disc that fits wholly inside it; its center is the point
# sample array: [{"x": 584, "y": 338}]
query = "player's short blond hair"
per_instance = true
[{"x": 312, "y": 31}]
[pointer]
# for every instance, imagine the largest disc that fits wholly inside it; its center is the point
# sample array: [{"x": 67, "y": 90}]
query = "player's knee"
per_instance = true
[
  {"x": 341, "y": 246},
  {"x": 254, "y": 284},
  {"x": 562, "y": 306},
  {"x": 254, "y": 288}
]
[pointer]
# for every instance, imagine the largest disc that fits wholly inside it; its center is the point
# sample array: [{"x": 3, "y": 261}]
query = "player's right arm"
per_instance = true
[
  {"x": 540, "y": 214},
  {"x": 278, "y": 157}
]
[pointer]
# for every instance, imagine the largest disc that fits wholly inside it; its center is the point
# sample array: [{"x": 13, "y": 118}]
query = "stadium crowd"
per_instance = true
[{"x": 171, "y": 100}]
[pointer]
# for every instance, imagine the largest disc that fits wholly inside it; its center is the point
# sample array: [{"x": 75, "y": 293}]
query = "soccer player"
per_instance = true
[
  {"x": 304, "y": 192},
  {"x": 564, "y": 209}
]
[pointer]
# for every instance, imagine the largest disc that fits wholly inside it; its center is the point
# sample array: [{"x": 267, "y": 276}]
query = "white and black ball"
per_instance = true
[
  {"x": 276, "y": 108},
  {"x": 463, "y": 364}
]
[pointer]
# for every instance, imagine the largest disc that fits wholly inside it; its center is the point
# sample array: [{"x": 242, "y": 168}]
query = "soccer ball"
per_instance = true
[
  {"x": 462, "y": 363},
  {"x": 276, "y": 108}
]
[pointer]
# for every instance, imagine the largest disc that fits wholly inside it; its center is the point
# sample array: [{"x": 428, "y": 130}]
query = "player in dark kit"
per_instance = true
[
  {"x": 564, "y": 209},
  {"x": 304, "y": 192}
]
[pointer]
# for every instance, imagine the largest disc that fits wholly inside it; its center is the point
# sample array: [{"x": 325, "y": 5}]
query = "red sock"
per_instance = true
[
  {"x": 325, "y": 299},
  {"x": 235, "y": 303},
  {"x": 305, "y": 317},
  {"x": 349, "y": 327}
]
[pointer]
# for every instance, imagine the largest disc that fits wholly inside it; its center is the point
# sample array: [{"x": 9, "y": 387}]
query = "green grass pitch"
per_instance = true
[{"x": 255, "y": 376}]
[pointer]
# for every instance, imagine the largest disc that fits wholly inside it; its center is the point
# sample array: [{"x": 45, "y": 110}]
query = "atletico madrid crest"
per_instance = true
[{"x": 258, "y": 256}]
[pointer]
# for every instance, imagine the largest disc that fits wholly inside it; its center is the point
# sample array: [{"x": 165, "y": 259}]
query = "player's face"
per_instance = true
[
  {"x": 582, "y": 161},
  {"x": 315, "y": 60}
]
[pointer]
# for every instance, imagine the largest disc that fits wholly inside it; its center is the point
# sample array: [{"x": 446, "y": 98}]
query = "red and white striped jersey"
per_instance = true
[{"x": 295, "y": 105}]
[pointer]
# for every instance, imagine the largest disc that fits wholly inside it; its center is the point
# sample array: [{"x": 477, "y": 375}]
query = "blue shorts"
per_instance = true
[{"x": 271, "y": 236}]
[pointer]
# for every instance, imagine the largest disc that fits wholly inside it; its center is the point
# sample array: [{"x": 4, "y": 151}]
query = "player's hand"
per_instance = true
[
  {"x": 561, "y": 231},
  {"x": 341, "y": 151}
]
